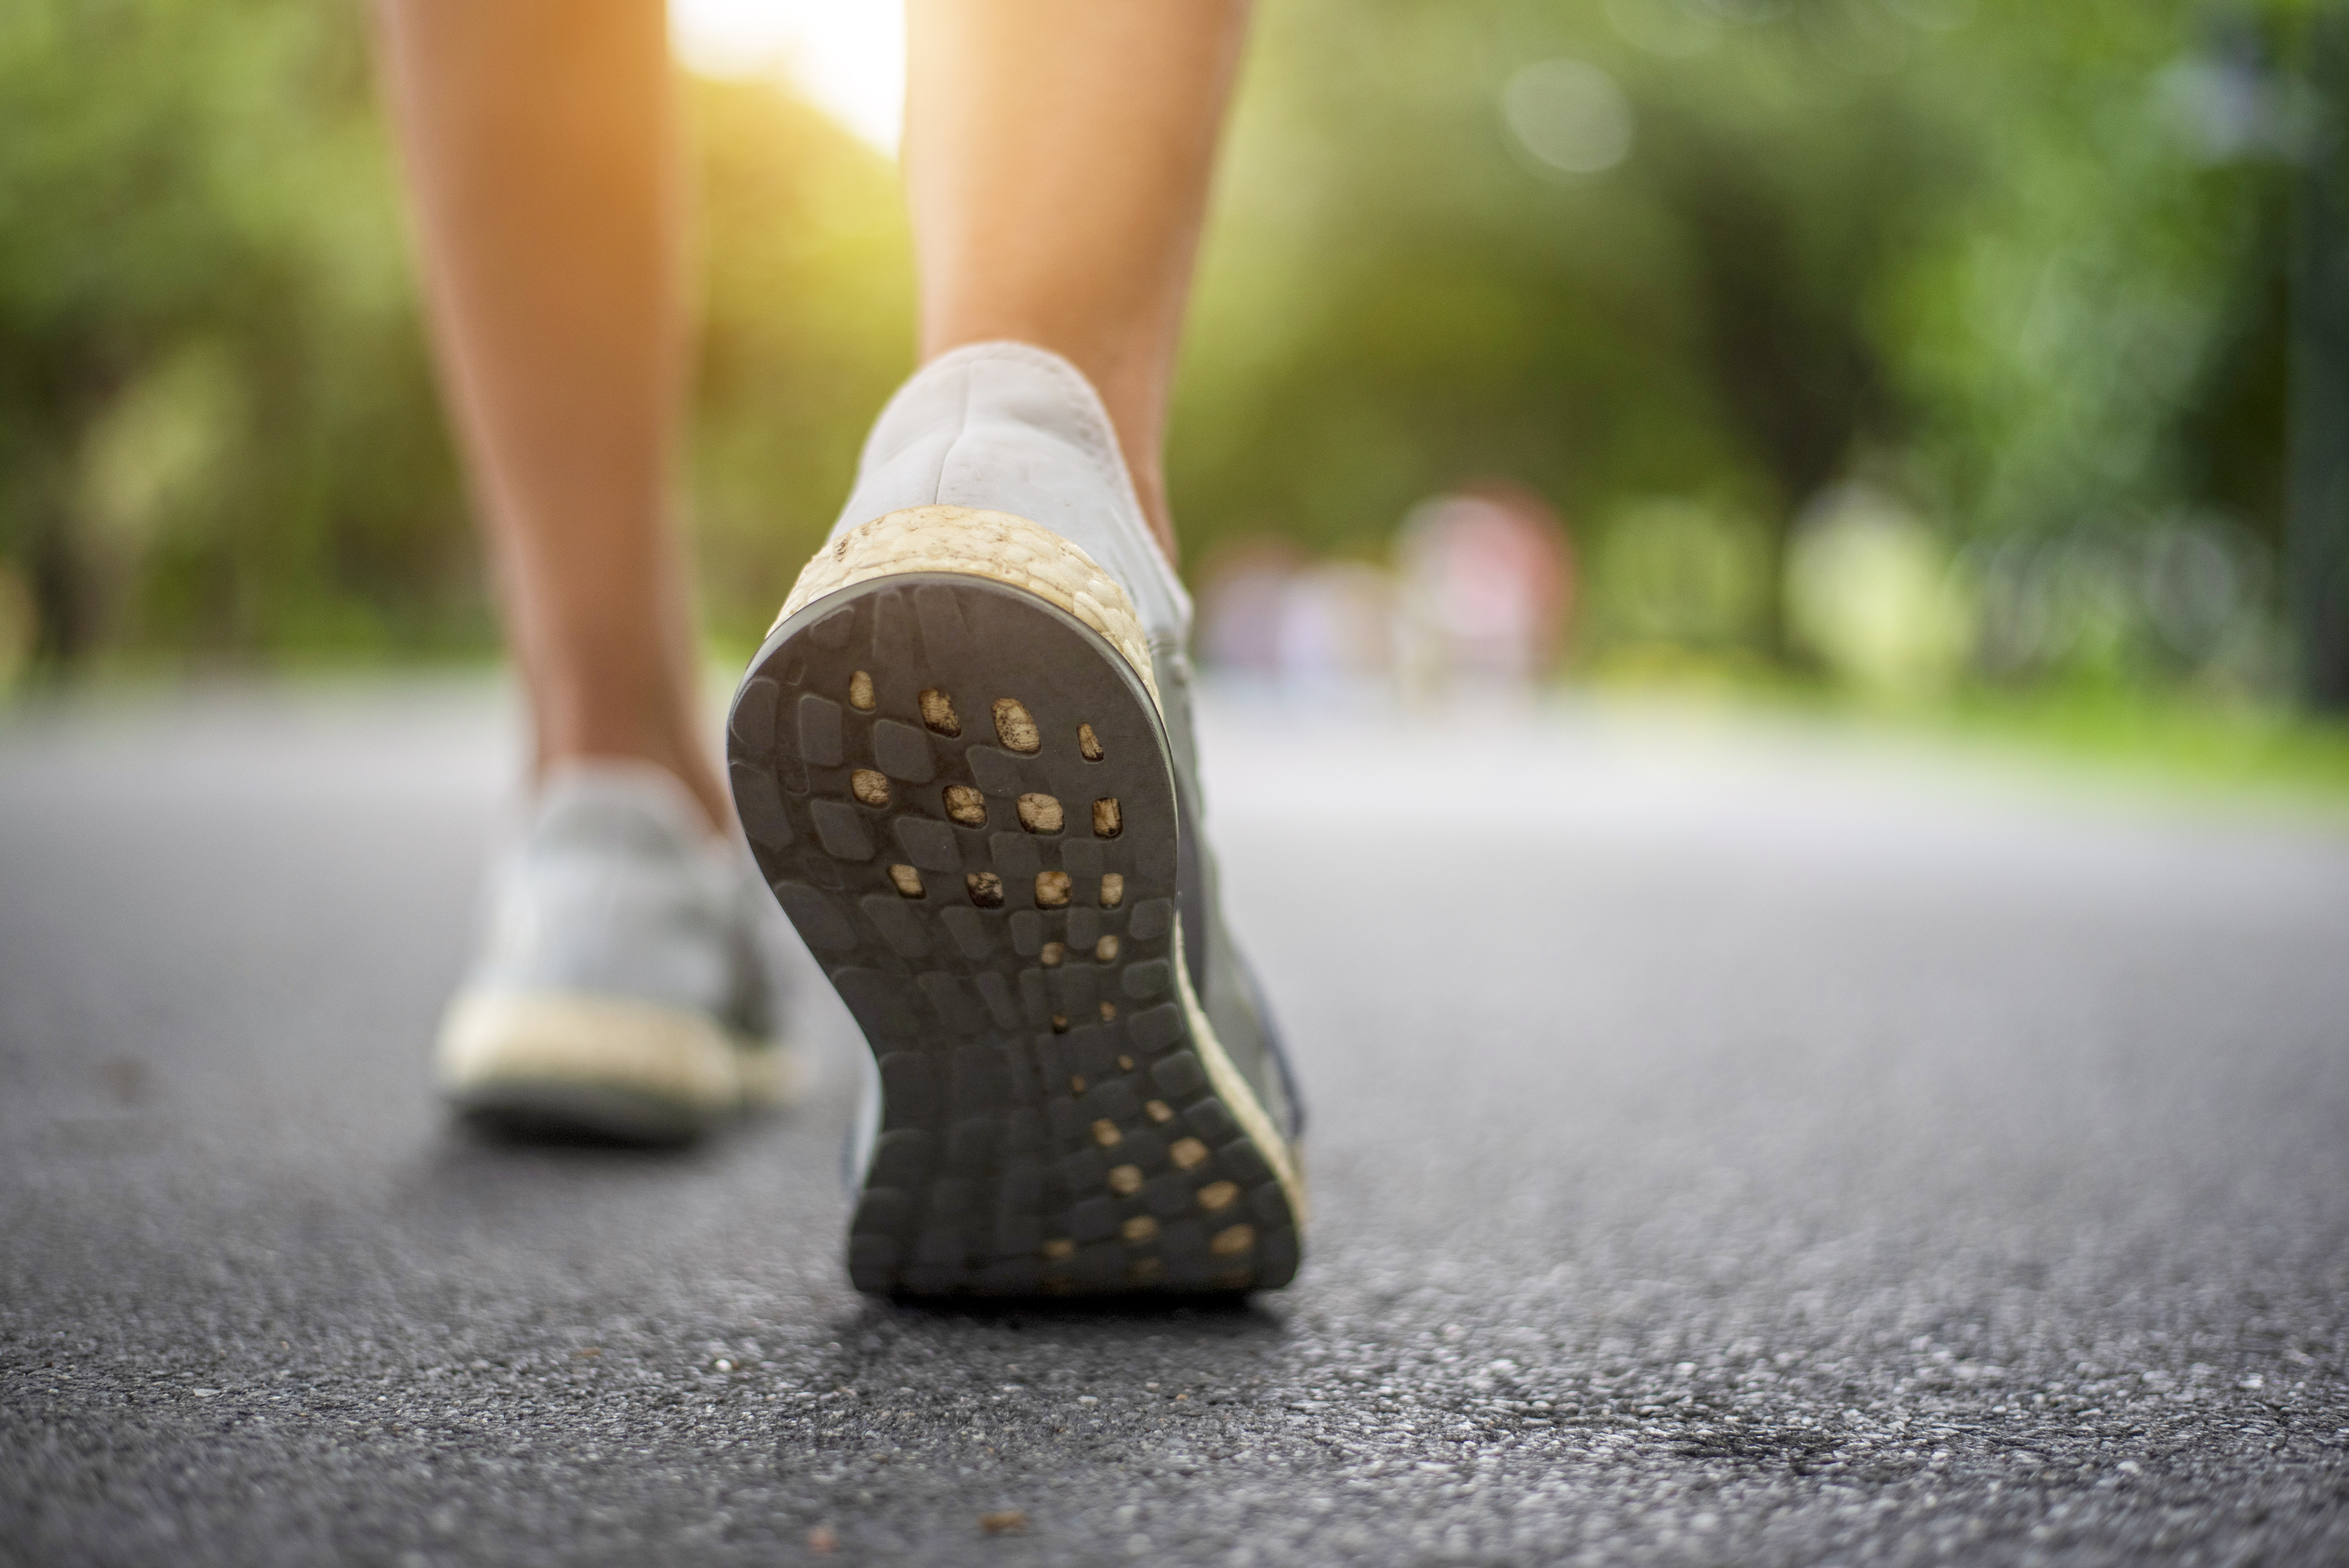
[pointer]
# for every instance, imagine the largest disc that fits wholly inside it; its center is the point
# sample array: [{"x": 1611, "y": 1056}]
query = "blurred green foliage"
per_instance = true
[
  {"x": 2017, "y": 267},
  {"x": 806, "y": 328},
  {"x": 216, "y": 432},
  {"x": 2021, "y": 266}
]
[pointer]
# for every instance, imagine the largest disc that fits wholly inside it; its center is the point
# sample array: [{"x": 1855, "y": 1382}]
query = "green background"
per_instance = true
[{"x": 2018, "y": 272}]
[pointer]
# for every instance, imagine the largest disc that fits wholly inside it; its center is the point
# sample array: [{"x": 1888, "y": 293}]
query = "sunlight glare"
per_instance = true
[{"x": 848, "y": 57}]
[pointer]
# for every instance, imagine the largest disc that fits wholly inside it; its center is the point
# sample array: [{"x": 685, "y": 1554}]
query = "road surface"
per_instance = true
[{"x": 1731, "y": 1145}]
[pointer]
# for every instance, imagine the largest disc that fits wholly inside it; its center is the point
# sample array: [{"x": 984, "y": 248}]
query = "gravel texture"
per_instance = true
[{"x": 1730, "y": 1146}]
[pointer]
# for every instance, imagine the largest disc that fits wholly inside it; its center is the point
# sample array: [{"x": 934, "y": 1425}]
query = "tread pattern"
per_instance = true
[{"x": 1048, "y": 1126}]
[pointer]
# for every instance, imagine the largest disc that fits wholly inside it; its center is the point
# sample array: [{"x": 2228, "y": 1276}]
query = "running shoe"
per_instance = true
[
  {"x": 625, "y": 989},
  {"x": 964, "y": 760}
]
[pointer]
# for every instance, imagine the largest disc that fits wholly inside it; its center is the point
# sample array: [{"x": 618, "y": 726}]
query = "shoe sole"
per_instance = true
[
  {"x": 991, "y": 883},
  {"x": 557, "y": 1067}
]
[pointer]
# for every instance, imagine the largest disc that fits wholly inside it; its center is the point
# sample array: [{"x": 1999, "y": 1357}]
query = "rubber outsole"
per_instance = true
[
  {"x": 547, "y": 1111},
  {"x": 961, "y": 797}
]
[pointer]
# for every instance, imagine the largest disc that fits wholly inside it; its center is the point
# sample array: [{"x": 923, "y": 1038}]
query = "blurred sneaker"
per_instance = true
[
  {"x": 625, "y": 988},
  {"x": 964, "y": 758}
]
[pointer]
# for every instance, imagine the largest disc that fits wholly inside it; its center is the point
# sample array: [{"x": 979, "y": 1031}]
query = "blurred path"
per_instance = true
[{"x": 1730, "y": 1147}]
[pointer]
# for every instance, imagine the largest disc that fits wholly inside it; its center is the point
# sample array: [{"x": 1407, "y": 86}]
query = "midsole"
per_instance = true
[
  {"x": 994, "y": 545},
  {"x": 671, "y": 1054},
  {"x": 1233, "y": 1089}
]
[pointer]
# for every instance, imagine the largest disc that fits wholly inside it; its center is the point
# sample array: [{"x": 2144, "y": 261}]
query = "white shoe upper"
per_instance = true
[
  {"x": 1007, "y": 427},
  {"x": 615, "y": 889}
]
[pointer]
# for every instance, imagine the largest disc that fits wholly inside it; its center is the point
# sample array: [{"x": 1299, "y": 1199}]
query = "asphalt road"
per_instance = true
[{"x": 1730, "y": 1146}]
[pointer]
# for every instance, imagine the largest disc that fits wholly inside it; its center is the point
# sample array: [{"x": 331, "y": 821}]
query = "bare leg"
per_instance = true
[
  {"x": 542, "y": 150},
  {"x": 1057, "y": 157},
  {"x": 541, "y": 143}
]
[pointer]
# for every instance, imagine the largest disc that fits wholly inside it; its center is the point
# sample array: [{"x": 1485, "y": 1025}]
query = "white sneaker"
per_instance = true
[
  {"x": 625, "y": 988},
  {"x": 964, "y": 760}
]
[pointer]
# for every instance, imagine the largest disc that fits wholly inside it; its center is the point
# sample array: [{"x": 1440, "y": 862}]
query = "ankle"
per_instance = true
[
  {"x": 683, "y": 763},
  {"x": 1150, "y": 488}
]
